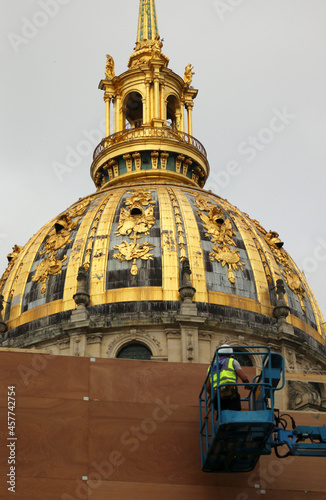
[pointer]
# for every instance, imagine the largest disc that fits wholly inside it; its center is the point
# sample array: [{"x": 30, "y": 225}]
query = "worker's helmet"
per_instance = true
[{"x": 225, "y": 349}]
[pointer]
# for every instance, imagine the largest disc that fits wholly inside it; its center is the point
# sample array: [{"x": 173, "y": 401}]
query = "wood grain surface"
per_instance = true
[{"x": 119, "y": 429}]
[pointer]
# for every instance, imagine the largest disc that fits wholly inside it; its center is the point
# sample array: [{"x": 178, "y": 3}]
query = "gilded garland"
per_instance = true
[
  {"x": 57, "y": 239},
  {"x": 289, "y": 273},
  {"x": 134, "y": 220},
  {"x": 221, "y": 233}
]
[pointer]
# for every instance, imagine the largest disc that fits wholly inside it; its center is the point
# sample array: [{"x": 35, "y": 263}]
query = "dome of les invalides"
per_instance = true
[{"x": 151, "y": 257}]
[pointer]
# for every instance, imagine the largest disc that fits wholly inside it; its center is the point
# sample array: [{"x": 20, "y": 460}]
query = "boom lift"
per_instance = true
[{"x": 233, "y": 441}]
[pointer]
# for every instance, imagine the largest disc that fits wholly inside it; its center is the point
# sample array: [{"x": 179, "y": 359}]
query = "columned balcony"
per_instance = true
[{"x": 164, "y": 139}]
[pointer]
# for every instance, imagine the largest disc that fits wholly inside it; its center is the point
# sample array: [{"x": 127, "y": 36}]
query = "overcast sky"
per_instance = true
[{"x": 261, "y": 111}]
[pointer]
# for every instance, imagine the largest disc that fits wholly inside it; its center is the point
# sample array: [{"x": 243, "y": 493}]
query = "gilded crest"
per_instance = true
[
  {"x": 289, "y": 272},
  {"x": 220, "y": 231},
  {"x": 57, "y": 239},
  {"x": 226, "y": 256},
  {"x": 140, "y": 221},
  {"x": 133, "y": 251},
  {"x": 50, "y": 266},
  {"x": 134, "y": 220}
]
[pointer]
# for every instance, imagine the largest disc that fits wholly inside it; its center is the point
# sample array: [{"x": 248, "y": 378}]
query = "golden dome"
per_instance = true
[
  {"x": 151, "y": 238},
  {"x": 132, "y": 239}
]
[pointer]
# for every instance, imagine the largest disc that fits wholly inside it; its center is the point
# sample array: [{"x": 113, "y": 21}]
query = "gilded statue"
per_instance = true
[
  {"x": 109, "y": 69},
  {"x": 157, "y": 46},
  {"x": 188, "y": 74}
]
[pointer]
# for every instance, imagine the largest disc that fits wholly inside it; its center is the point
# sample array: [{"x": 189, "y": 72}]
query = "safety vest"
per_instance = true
[{"x": 227, "y": 373}]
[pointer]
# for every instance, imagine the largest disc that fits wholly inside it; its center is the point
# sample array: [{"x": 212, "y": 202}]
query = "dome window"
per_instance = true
[
  {"x": 136, "y": 211},
  {"x": 134, "y": 110},
  {"x": 171, "y": 111},
  {"x": 135, "y": 351}
]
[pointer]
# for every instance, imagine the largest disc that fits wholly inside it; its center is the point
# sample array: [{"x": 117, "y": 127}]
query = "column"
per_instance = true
[
  {"x": 189, "y": 111},
  {"x": 163, "y": 104},
  {"x": 107, "y": 99},
  {"x": 182, "y": 117},
  {"x": 156, "y": 98},
  {"x": 117, "y": 113},
  {"x": 148, "y": 103}
]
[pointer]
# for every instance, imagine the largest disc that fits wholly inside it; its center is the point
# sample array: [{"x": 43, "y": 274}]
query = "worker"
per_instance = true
[{"x": 229, "y": 369}]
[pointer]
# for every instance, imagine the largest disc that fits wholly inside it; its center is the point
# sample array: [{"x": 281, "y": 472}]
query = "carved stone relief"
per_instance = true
[{"x": 303, "y": 395}]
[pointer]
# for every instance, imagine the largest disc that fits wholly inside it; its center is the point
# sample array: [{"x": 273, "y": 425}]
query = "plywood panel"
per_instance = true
[
  {"x": 148, "y": 443},
  {"x": 144, "y": 381},
  {"x": 43, "y": 375},
  {"x": 292, "y": 475},
  {"x": 163, "y": 491},
  {"x": 293, "y": 495},
  {"x": 40, "y": 489},
  {"x": 51, "y": 439},
  {"x": 136, "y": 438}
]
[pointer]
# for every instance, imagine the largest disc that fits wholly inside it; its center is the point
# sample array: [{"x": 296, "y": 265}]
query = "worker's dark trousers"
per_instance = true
[{"x": 228, "y": 404}]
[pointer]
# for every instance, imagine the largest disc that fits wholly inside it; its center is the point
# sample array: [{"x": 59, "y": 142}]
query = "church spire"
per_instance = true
[
  {"x": 147, "y": 23},
  {"x": 148, "y": 111}
]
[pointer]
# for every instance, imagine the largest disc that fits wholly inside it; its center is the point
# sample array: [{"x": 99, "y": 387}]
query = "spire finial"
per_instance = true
[{"x": 147, "y": 23}]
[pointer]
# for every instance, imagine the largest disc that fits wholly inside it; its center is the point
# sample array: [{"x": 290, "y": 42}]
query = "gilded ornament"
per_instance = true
[
  {"x": 109, "y": 69},
  {"x": 13, "y": 286},
  {"x": 224, "y": 255},
  {"x": 289, "y": 273},
  {"x": 140, "y": 196},
  {"x": 293, "y": 281},
  {"x": 164, "y": 160},
  {"x": 12, "y": 257},
  {"x": 139, "y": 223},
  {"x": 180, "y": 229},
  {"x": 133, "y": 221},
  {"x": 50, "y": 266},
  {"x": 133, "y": 251},
  {"x": 91, "y": 238},
  {"x": 188, "y": 74},
  {"x": 220, "y": 232},
  {"x": 57, "y": 239},
  {"x": 79, "y": 209}
]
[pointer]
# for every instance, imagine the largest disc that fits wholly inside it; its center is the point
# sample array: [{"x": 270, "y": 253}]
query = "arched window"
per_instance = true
[
  {"x": 133, "y": 110},
  {"x": 135, "y": 351},
  {"x": 171, "y": 111},
  {"x": 244, "y": 359}
]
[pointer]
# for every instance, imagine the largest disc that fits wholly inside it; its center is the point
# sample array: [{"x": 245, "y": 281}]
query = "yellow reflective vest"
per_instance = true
[{"x": 227, "y": 374}]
